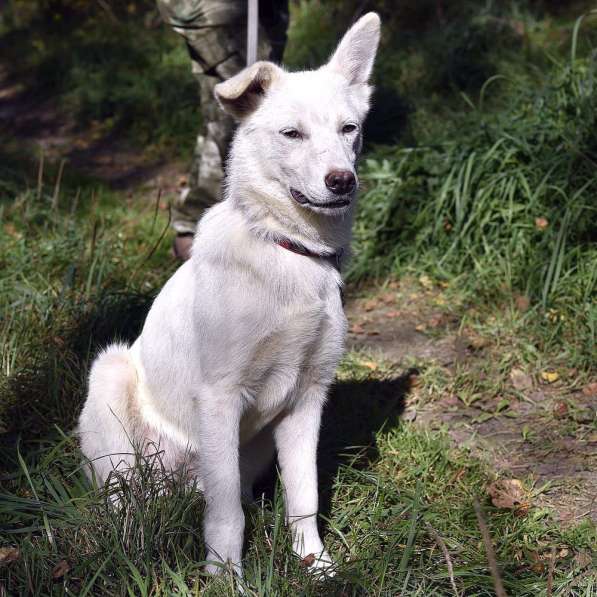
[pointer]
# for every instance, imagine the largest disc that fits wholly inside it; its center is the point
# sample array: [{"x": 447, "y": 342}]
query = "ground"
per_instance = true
[{"x": 528, "y": 425}]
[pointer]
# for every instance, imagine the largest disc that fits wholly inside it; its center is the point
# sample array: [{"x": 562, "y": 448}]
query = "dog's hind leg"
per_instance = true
[
  {"x": 255, "y": 458},
  {"x": 105, "y": 425}
]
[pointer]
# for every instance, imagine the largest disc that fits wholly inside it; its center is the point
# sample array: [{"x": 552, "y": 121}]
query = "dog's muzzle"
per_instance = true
[{"x": 302, "y": 200}]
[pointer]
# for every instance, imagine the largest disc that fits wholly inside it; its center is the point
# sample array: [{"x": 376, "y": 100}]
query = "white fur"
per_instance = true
[{"x": 241, "y": 345}]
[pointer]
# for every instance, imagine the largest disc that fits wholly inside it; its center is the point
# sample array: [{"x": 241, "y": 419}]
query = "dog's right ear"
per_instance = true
[{"x": 240, "y": 95}]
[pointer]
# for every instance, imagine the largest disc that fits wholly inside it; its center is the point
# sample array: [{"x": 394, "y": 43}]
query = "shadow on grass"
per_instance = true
[
  {"x": 356, "y": 412},
  {"x": 48, "y": 391}
]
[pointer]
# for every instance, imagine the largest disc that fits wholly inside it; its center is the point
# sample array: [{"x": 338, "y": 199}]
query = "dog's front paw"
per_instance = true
[{"x": 216, "y": 567}]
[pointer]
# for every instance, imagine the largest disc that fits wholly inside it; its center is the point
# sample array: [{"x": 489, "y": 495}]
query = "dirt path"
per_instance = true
[
  {"x": 531, "y": 426},
  {"x": 41, "y": 125}
]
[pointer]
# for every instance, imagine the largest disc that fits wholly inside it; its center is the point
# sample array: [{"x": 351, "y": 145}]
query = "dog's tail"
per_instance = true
[{"x": 105, "y": 430}]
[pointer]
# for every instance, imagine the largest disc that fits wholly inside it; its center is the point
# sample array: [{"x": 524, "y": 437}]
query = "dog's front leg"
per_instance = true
[
  {"x": 224, "y": 521},
  {"x": 296, "y": 436}
]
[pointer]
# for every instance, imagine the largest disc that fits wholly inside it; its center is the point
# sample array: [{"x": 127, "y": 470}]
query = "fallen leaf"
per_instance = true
[
  {"x": 308, "y": 560},
  {"x": 538, "y": 567},
  {"x": 549, "y": 376},
  {"x": 370, "y": 304},
  {"x": 421, "y": 327},
  {"x": 436, "y": 320},
  {"x": 372, "y": 333},
  {"x": 355, "y": 328},
  {"x": 478, "y": 342},
  {"x": 393, "y": 314},
  {"x": 520, "y": 380},
  {"x": 541, "y": 223},
  {"x": 389, "y": 298},
  {"x": 426, "y": 282},
  {"x": 583, "y": 559},
  {"x": 560, "y": 410},
  {"x": 60, "y": 569},
  {"x": 590, "y": 390},
  {"x": 413, "y": 381},
  {"x": 8, "y": 555},
  {"x": 522, "y": 303},
  {"x": 508, "y": 494},
  {"x": 10, "y": 229}
]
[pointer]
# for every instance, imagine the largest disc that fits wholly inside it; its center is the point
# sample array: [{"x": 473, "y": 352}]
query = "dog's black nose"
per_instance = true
[{"x": 340, "y": 182}]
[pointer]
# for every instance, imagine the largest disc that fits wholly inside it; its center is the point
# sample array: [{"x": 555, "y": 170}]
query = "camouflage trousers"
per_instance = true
[{"x": 215, "y": 35}]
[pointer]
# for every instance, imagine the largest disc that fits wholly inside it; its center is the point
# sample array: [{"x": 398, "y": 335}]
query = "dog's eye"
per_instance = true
[
  {"x": 291, "y": 133},
  {"x": 349, "y": 128}
]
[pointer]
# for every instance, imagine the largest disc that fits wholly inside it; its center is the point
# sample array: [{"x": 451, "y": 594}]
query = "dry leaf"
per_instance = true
[
  {"x": 308, "y": 560},
  {"x": 520, "y": 380},
  {"x": 421, "y": 327},
  {"x": 426, "y": 282},
  {"x": 357, "y": 329},
  {"x": 560, "y": 410},
  {"x": 477, "y": 342},
  {"x": 393, "y": 314},
  {"x": 508, "y": 494},
  {"x": 436, "y": 320},
  {"x": 583, "y": 559},
  {"x": 537, "y": 566},
  {"x": 60, "y": 569},
  {"x": 10, "y": 229},
  {"x": 389, "y": 298},
  {"x": 372, "y": 333},
  {"x": 541, "y": 223},
  {"x": 413, "y": 381},
  {"x": 590, "y": 390},
  {"x": 370, "y": 304},
  {"x": 8, "y": 555},
  {"x": 549, "y": 376},
  {"x": 522, "y": 303}
]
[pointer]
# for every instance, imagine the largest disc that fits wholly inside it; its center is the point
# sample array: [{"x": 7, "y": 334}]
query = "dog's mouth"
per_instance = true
[{"x": 302, "y": 200}]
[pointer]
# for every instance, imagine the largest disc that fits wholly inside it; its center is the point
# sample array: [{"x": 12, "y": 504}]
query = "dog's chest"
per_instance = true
[{"x": 303, "y": 347}]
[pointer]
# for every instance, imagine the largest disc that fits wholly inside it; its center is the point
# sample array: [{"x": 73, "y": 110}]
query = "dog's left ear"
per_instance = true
[
  {"x": 240, "y": 95},
  {"x": 355, "y": 54}
]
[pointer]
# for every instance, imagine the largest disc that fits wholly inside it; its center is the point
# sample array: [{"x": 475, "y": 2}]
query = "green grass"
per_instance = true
[
  {"x": 73, "y": 283},
  {"x": 504, "y": 207}
]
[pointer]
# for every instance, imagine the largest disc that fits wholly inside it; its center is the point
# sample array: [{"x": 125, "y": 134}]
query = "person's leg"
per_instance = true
[{"x": 215, "y": 34}]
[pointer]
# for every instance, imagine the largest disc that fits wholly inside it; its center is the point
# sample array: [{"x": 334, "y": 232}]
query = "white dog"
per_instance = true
[{"x": 241, "y": 345}]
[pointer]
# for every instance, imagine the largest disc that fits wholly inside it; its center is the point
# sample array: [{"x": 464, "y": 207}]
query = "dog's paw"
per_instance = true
[
  {"x": 221, "y": 570},
  {"x": 215, "y": 567}
]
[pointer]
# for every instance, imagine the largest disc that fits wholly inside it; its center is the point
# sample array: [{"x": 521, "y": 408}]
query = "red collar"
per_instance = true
[{"x": 333, "y": 258}]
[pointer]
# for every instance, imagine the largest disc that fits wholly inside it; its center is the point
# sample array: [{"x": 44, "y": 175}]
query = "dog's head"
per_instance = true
[{"x": 300, "y": 133}]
